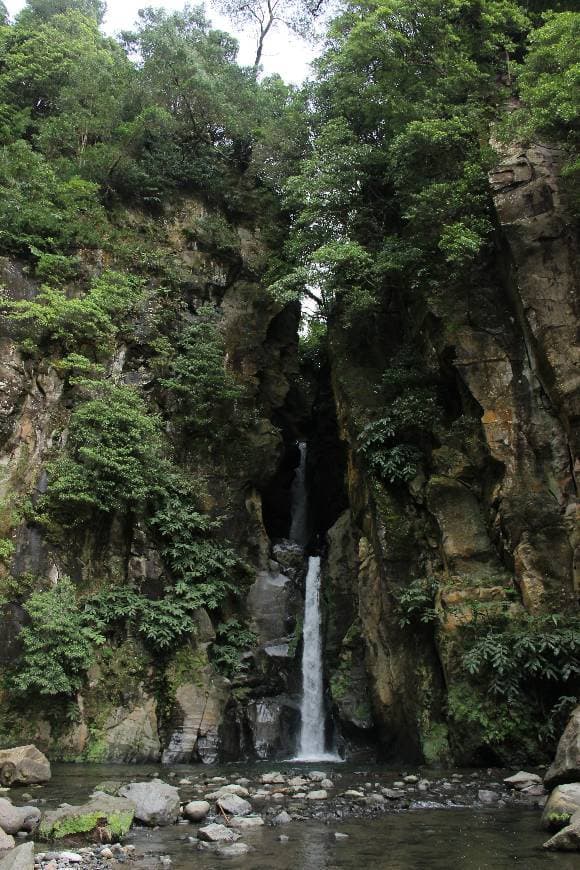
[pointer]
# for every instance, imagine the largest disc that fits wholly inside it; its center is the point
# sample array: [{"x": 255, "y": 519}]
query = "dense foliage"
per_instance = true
[{"x": 368, "y": 187}]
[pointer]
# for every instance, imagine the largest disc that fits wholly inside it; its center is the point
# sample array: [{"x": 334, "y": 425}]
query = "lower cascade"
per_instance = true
[{"x": 312, "y": 734}]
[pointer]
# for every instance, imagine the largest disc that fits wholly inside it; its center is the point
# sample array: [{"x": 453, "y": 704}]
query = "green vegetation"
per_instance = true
[
  {"x": 232, "y": 640},
  {"x": 416, "y": 602},
  {"x": 58, "y": 645}
]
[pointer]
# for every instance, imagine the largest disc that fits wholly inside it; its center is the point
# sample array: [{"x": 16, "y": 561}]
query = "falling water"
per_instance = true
[
  {"x": 298, "y": 525},
  {"x": 312, "y": 706}
]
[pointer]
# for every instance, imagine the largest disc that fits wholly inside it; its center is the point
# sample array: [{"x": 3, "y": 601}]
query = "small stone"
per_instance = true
[
  {"x": 184, "y": 782},
  {"x": 398, "y": 784},
  {"x": 283, "y": 838},
  {"x": 352, "y": 793},
  {"x": 233, "y": 805},
  {"x": 486, "y": 796},
  {"x": 244, "y": 822},
  {"x": 423, "y": 785},
  {"x": 106, "y": 853},
  {"x": 327, "y": 783},
  {"x": 320, "y": 795},
  {"x": 282, "y": 818},
  {"x": 233, "y": 850},
  {"x": 411, "y": 780},
  {"x": 338, "y": 835},
  {"x": 243, "y": 780},
  {"x": 217, "y": 834},
  {"x": 393, "y": 794},
  {"x": 272, "y": 778},
  {"x": 71, "y": 857},
  {"x": 316, "y": 776},
  {"x": 196, "y": 810},
  {"x": 165, "y": 861}
]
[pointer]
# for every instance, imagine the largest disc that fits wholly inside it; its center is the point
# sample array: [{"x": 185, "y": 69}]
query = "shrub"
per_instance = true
[
  {"x": 232, "y": 639},
  {"x": 114, "y": 459},
  {"x": 201, "y": 388},
  {"x": 416, "y": 602},
  {"x": 58, "y": 645}
]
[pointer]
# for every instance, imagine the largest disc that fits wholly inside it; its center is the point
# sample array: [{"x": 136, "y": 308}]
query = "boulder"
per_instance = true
[
  {"x": 14, "y": 819},
  {"x": 106, "y": 816},
  {"x": 196, "y": 810},
  {"x": 561, "y": 806},
  {"x": 156, "y": 802},
  {"x": 233, "y": 805},
  {"x": 522, "y": 780},
  {"x": 23, "y": 765},
  {"x": 568, "y": 839},
  {"x": 217, "y": 834},
  {"x": 6, "y": 841},
  {"x": 20, "y": 858},
  {"x": 566, "y": 765}
]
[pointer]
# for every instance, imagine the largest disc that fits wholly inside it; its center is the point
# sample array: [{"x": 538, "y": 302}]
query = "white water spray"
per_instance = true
[{"x": 312, "y": 706}]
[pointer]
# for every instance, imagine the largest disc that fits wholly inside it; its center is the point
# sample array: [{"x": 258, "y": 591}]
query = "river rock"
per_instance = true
[
  {"x": 156, "y": 802},
  {"x": 6, "y": 841},
  {"x": 196, "y": 810},
  {"x": 522, "y": 780},
  {"x": 273, "y": 778},
  {"x": 104, "y": 816},
  {"x": 392, "y": 794},
  {"x": 23, "y": 765},
  {"x": 568, "y": 839},
  {"x": 239, "y": 790},
  {"x": 327, "y": 783},
  {"x": 561, "y": 806},
  {"x": 319, "y": 795},
  {"x": 14, "y": 819},
  {"x": 566, "y": 765},
  {"x": 233, "y": 805},
  {"x": 233, "y": 850},
  {"x": 244, "y": 822},
  {"x": 487, "y": 796},
  {"x": 282, "y": 818},
  {"x": 316, "y": 776},
  {"x": 297, "y": 781},
  {"x": 217, "y": 834},
  {"x": 20, "y": 858}
]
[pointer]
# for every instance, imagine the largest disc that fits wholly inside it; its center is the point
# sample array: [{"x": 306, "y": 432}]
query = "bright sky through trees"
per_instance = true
[{"x": 284, "y": 52}]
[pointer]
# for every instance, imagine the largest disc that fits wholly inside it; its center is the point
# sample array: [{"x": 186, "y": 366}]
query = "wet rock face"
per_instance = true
[
  {"x": 566, "y": 765},
  {"x": 131, "y": 733},
  {"x": 198, "y": 715},
  {"x": 273, "y": 724},
  {"x": 495, "y": 507}
]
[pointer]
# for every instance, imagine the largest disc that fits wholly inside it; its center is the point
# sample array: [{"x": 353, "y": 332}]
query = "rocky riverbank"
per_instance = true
[{"x": 223, "y": 812}]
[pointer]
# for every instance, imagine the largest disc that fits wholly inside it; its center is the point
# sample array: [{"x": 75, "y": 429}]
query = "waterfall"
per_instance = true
[
  {"x": 299, "y": 503},
  {"x": 312, "y": 703},
  {"x": 312, "y": 706}
]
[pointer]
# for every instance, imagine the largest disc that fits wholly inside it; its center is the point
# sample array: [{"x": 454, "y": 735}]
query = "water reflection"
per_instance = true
[{"x": 422, "y": 839}]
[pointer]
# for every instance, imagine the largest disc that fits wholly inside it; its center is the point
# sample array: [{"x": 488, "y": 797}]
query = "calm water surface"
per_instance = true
[{"x": 434, "y": 838}]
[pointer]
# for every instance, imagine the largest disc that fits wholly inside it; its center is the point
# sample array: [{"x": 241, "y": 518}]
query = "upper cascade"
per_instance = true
[{"x": 299, "y": 504}]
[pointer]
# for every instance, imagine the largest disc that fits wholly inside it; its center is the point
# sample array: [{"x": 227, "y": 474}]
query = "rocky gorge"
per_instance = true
[{"x": 289, "y": 432}]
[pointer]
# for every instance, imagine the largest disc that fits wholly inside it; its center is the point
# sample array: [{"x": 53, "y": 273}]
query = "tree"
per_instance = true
[
  {"x": 264, "y": 16},
  {"x": 46, "y": 9}
]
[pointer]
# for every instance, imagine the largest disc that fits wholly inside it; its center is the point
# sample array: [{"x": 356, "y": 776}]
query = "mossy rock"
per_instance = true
[{"x": 110, "y": 816}]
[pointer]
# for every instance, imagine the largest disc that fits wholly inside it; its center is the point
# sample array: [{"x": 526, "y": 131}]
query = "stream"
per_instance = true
[{"x": 438, "y": 834}]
